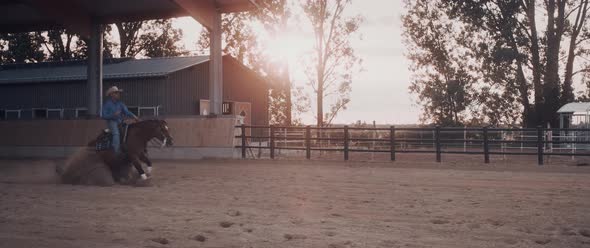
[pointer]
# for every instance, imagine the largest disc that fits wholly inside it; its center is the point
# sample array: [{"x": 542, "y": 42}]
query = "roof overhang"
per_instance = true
[
  {"x": 575, "y": 107},
  {"x": 78, "y": 15}
]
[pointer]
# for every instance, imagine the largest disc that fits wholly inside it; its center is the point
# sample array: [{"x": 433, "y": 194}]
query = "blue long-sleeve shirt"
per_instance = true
[{"x": 110, "y": 107}]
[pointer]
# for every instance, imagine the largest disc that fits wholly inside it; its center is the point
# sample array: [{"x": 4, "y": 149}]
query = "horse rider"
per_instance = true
[{"x": 115, "y": 112}]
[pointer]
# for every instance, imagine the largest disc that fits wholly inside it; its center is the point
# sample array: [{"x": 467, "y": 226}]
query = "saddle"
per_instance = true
[{"x": 105, "y": 139}]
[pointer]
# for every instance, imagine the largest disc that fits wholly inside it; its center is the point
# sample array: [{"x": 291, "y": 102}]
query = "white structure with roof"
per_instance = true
[{"x": 574, "y": 115}]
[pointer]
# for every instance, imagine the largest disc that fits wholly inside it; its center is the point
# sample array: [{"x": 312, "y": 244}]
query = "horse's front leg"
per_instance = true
[
  {"x": 135, "y": 161},
  {"x": 144, "y": 158}
]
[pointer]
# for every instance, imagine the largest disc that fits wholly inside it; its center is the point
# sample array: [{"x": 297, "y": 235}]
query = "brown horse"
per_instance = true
[{"x": 135, "y": 148}]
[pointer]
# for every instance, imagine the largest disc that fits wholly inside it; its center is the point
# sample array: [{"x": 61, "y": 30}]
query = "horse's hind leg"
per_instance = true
[{"x": 144, "y": 158}]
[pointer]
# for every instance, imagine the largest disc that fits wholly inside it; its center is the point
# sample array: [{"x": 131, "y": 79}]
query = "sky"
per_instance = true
[{"x": 380, "y": 91}]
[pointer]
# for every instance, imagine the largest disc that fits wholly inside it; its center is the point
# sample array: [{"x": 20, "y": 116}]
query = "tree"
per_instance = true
[
  {"x": 156, "y": 38},
  {"x": 333, "y": 61},
  {"x": 162, "y": 40},
  {"x": 241, "y": 42},
  {"x": 63, "y": 45},
  {"x": 440, "y": 79},
  {"x": 279, "y": 108},
  {"x": 52, "y": 45},
  {"x": 20, "y": 48},
  {"x": 511, "y": 57},
  {"x": 578, "y": 33},
  {"x": 129, "y": 45}
]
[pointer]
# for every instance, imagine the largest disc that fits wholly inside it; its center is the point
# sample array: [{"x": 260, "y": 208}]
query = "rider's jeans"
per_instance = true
[{"x": 114, "y": 127}]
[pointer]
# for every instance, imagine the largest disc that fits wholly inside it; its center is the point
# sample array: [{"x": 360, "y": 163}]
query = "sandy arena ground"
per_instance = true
[{"x": 302, "y": 204}]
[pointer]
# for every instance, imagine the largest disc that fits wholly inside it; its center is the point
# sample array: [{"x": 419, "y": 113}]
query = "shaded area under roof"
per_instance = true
[
  {"x": 575, "y": 107},
  {"x": 114, "y": 69},
  {"x": 36, "y": 15}
]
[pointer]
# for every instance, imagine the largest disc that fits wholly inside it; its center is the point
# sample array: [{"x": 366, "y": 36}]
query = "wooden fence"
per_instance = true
[{"x": 437, "y": 140}]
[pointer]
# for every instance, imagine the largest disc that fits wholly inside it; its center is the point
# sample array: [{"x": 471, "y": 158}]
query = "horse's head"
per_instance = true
[
  {"x": 159, "y": 130},
  {"x": 164, "y": 133}
]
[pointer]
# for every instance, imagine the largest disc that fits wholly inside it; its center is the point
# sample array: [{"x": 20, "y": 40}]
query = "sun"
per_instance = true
[{"x": 287, "y": 46}]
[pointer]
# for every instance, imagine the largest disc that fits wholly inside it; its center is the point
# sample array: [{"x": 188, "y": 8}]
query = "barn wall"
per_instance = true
[
  {"x": 184, "y": 89},
  {"x": 139, "y": 91},
  {"x": 243, "y": 85},
  {"x": 178, "y": 93},
  {"x": 62, "y": 95}
]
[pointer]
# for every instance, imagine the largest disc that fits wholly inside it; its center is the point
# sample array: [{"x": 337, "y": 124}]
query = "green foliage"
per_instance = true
[
  {"x": 513, "y": 69},
  {"x": 241, "y": 42},
  {"x": 330, "y": 68},
  {"x": 162, "y": 40},
  {"x": 52, "y": 45},
  {"x": 20, "y": 48},
  {"x": 156, "y": 38}
]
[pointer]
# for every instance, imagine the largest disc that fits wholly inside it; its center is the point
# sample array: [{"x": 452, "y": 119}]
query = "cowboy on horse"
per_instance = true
[
  {"x": 137, "y": 135},
  {"x": 114, "y": 111}
]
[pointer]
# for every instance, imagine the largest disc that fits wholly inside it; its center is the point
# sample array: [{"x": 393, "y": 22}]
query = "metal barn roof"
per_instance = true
[
  {"x": 119, "y": 69},
  {"x": 575, "y": 107}
]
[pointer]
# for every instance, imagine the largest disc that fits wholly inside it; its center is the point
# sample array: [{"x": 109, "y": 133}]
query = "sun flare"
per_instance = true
[{"x": 288, "y": 47}]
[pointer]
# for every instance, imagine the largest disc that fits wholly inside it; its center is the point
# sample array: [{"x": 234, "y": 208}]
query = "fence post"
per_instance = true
[
  {"x": 243, "y": 140},
  {"x": 464, "y": 139},
  {"x": 308, "y": 142},
  {"x": 272, "y": 142},
  {"x": 346, "y": 137},
  {"x": 486, "y": 146},
  {"x": 392, "y": 142},
  {"x": 437, "y": 143},
  {"x": 540, "y": 144}
]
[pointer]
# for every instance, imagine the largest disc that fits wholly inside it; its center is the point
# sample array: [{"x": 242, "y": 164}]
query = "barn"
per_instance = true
[{"x": 171, "y": 87}]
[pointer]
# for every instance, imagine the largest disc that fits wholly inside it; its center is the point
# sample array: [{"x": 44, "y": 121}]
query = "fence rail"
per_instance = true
[{"x": 438, "y": 140}]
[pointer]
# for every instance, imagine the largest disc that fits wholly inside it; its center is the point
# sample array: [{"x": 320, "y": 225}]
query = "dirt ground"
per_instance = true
[{"x": 303, "y": 204}]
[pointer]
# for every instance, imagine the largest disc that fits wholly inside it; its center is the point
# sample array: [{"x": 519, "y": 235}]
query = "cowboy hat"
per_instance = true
[{"x": 113, "y": 89}]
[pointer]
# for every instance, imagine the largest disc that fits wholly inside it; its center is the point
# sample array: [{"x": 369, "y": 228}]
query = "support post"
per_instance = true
[
  {"x": 243, "y": 127},
  {"x": 437, "y": 144},
  {"x": 346, "y": 140},
  {"x": 392, "y": 142},
  {"x": 486, "y": 146},
  {"x": 94, "y": 72},
  {"x": 272, "y": 142},
  {"x": 464, "y": 139},
  {"x": 540, "y": 144},
  {"x": 215, "y": 67},
  {"x": 308, "y": 142}
]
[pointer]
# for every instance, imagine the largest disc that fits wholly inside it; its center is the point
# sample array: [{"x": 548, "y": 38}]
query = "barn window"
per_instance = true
[
  {"x": 148, "y": 111},
  {"x": 227, "y": 108},
  {"x": 39, "y": 113},
  {"x": 55, "y": 113},
  {"x": 80, "y": 112},
  {"x": 2, "y": 114},
  {"x": 134, "y": 110},
  {"x": 12, "y": 114}
]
